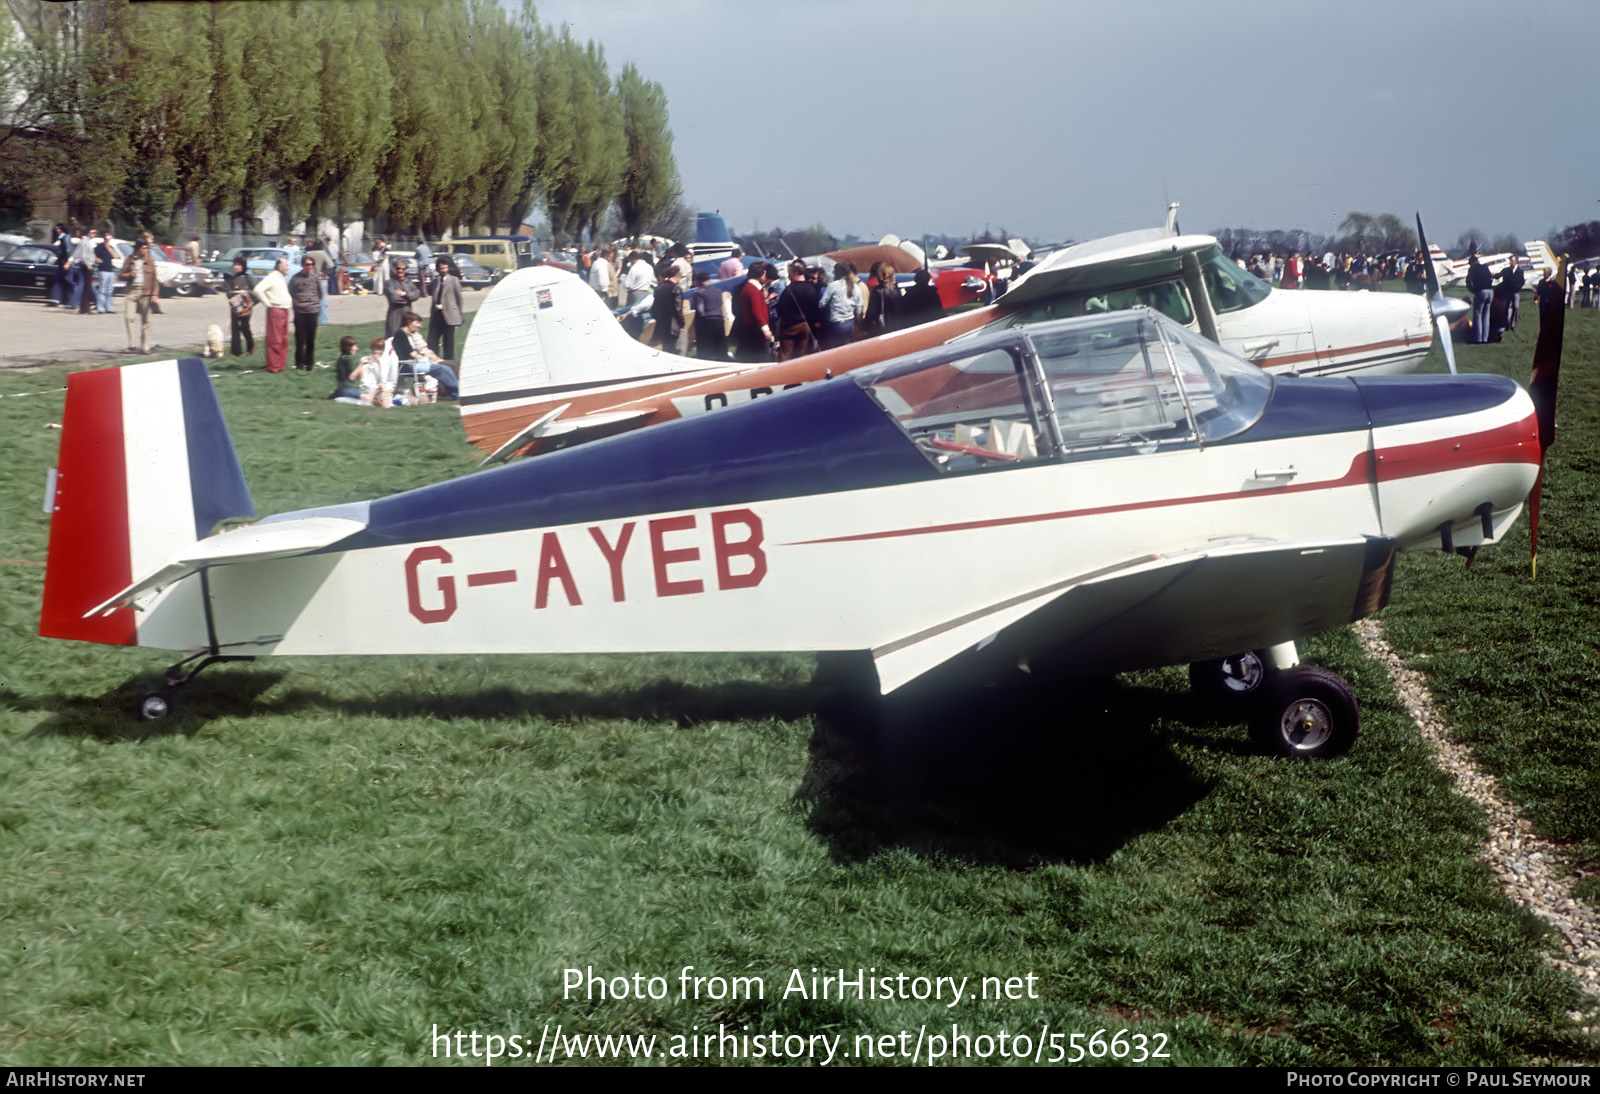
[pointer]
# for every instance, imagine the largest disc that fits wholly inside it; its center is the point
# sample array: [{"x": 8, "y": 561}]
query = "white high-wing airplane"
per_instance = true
[
  {"x": 545, "y": 365},
  {"x": 1095, "y": 494}
]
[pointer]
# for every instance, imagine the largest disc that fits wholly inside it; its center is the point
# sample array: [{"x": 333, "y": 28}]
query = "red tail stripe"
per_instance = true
[{"x": 89, "y": 557}]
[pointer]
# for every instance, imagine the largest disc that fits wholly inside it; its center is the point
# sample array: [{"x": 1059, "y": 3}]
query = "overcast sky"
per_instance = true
[{"x": 1061, "y": 119}]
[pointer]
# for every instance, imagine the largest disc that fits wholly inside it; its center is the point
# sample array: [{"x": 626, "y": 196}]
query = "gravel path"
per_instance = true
[{"x": 1533, "y": 871}]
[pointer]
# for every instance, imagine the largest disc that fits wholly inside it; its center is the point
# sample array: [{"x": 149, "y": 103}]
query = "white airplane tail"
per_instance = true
[
  {"x": 1541, "y": 259},
  {"x": 146, "y": 469},
  {"x": 1448, "y": 270},
  {"x": 542, "y": 328}
]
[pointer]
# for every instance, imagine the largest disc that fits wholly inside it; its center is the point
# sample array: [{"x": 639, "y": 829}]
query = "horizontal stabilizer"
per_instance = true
[
  {"x": 595, "y": 423},
  {"x": 257, "y": 543}
]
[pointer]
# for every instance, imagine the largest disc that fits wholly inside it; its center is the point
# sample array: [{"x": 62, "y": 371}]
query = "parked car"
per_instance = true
[
  {"x": 176, "y": 278},
  {"x": 27, "y": 267},
  {"x": 505, "y": 253},
  {"x": 257, "y": 260},
  {"x": 474, "y": 276}
]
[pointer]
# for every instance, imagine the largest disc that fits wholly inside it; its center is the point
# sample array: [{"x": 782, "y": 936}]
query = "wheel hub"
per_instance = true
[
  {"x": 1307, "y": 724},
  {"x": 1243, "y": 673}
]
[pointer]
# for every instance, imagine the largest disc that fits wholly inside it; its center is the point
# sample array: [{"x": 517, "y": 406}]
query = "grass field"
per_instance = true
[{"x": 322, "y": 860}]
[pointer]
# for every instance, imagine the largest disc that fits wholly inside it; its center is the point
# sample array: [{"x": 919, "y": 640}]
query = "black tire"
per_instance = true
[
  {"x": 1229, "y": 681},
  {"x": 1305, "y": 713},
  {"x": 154, "y": 707}
]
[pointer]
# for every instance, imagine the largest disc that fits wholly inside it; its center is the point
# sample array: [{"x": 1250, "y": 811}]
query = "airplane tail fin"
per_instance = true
[
  {"x": 146, "y": 467},
  {"x": 1541, "y": 259},
  {"x": 544, "y": 336}
]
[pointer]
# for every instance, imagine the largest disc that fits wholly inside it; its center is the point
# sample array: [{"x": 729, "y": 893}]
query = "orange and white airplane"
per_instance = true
[{"x": 545, "y": 364}]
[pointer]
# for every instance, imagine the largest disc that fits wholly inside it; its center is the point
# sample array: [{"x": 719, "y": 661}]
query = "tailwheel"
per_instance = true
[
  {"x": 158, "y": 704},
  {"x": 1305, "y": 712},
  {"x": 1228, "y": 680},
  {"x": 154, "y": 707}
]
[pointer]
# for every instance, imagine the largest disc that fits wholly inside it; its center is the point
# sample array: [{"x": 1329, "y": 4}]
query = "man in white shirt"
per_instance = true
[
  {"x": 83, "y": 271},
  {"x": 640, "y": 279},
  {"x": 600, "y": 272},
  {"x": 273, "y": 291}
]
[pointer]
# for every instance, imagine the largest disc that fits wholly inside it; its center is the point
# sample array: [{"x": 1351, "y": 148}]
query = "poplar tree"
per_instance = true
[
  {"x": 650, "y": 185},
  {"x": 219, "y": 157},
  {"x": 283, "y": 88},
  {"x": 510, "y": 125},
  {"x": 398, "y": 199},
  {"x": 354, "y": 89}
]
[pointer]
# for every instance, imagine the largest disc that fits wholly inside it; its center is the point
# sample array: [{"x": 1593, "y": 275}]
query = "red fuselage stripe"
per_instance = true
[{"x": 1515, "y": 443}]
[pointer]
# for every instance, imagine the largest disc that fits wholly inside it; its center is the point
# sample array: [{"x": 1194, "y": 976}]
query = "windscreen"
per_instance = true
[{"x": 1230, "y": 288}]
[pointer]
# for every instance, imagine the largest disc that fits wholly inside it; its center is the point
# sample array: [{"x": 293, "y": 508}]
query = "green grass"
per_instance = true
[
  {"x": 317, "y": 860},
  {"x": 1514, "y": 661}
]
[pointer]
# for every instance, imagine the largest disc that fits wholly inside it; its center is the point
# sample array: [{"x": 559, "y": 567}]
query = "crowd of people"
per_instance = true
[
  {"x": 89, "y": 263},
  {"x": 1332, "y": 269},
  {"x": 402, "y": 358},
  {"x": 777, "y": 311},
  {"x": 774, "y": 311}
]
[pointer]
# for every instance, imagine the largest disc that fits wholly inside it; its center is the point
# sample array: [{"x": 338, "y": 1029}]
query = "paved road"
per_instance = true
[{"x": 37, "y": 334}]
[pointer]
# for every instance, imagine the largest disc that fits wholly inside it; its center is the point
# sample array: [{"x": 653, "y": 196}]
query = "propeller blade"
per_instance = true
[
  {"x": 1442, "y": 324},
  {"x": 1427, "y": 262},
  {"x": 1436, "y": 302}
]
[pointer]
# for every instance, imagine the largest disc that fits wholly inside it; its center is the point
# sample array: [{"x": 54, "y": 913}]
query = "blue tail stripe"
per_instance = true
[{"x": 216, "y": 482}]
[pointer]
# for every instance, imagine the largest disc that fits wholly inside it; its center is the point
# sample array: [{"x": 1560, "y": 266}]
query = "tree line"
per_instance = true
[{"x": 408, "y": 114}]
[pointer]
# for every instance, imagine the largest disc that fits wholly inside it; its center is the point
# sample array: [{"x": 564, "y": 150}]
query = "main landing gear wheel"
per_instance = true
[
  {"x": 1305, "y": 712},
  {"x": 154, "y": 707},
  {"x": 1228, "y": 680}
]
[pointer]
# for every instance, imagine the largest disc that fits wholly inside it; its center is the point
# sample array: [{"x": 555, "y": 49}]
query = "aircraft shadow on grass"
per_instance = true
[
  {"x": 1015, "y": 773},
  {"x": 108, "y": 717}
]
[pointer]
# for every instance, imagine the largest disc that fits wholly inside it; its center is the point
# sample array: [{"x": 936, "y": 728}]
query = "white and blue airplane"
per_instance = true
[{"x": 1097, "y": 494}]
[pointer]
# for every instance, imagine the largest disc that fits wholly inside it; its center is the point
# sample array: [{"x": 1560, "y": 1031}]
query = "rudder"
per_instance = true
[{"x": 146, "y": 467}]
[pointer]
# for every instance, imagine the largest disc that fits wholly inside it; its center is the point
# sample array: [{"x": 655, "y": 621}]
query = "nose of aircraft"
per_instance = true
[
  {"x": 1376, "y": 332},
  {"x": 1453, "y": 457}
]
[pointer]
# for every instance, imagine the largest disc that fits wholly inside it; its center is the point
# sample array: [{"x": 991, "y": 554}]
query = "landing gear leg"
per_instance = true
[
  {"x": 1228, "y": 680},
  {"x": 158, "y": 704}
]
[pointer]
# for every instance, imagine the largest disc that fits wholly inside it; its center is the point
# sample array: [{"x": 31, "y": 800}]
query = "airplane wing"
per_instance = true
[
  {"x": 256, "y": 543},
  {"x": 868, "y": 256},
  {"x": 1116, "y": 261},
  {"x": 1170, "y": 608}
]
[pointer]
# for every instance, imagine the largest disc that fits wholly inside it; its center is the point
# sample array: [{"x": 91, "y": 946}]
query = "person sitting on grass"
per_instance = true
[
  {"x": 347, "y": 381},
  {"x": 411, "y": 348}
]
